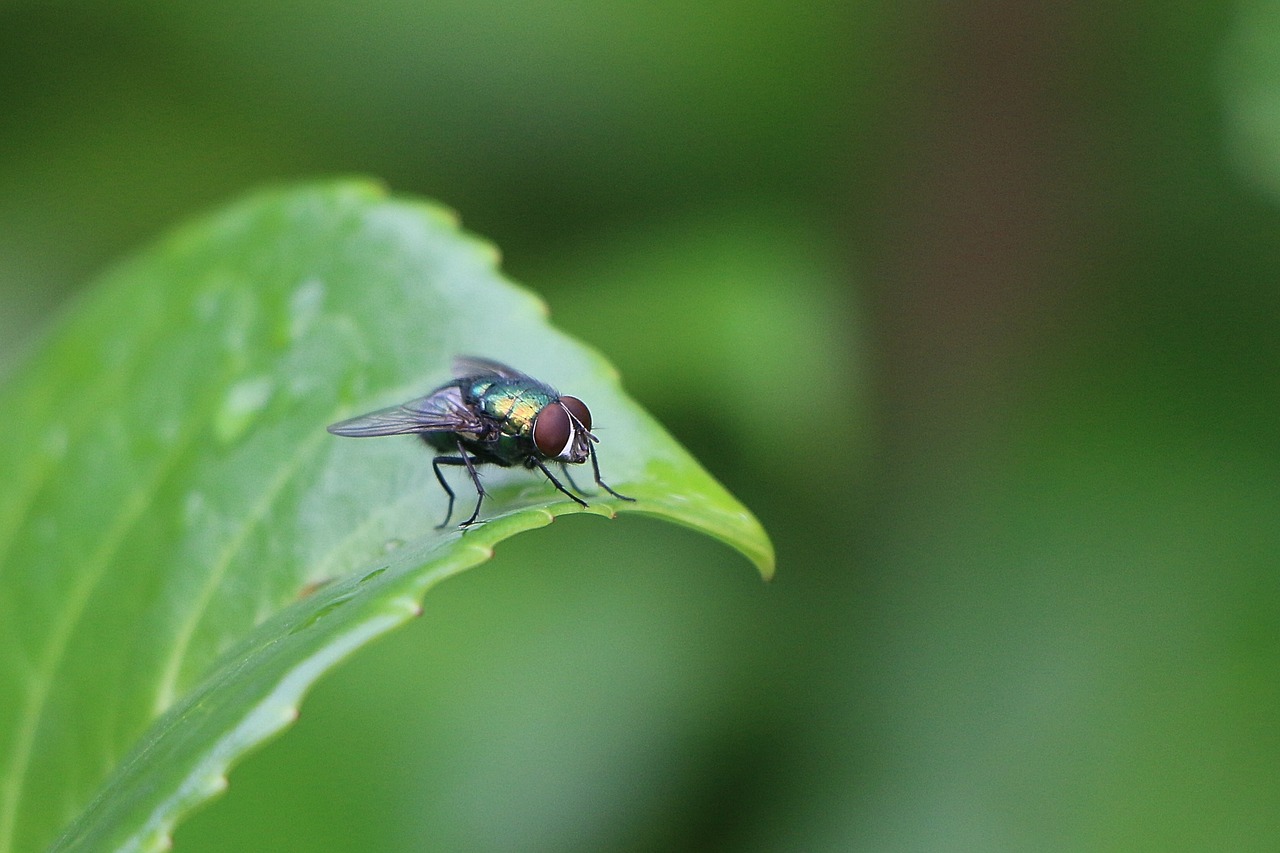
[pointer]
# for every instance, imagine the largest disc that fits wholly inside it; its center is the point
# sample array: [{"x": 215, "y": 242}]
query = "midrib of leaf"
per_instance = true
[{"x": 171, "y": 671}]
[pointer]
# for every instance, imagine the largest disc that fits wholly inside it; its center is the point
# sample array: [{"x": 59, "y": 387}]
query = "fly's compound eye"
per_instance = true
[
  {"x": 551, "y": 430},
  {"x": 579, "y": 410}
]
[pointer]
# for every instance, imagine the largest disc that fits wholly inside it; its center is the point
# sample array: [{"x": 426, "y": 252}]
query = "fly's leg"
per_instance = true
[
  {"x": 475, "y": 478},
  {"x": 435, "y": 465},
  {"x": 564, "y": 469},
  {"x": 557, "y": 483},
  {"x": 595, "y": 466},
  {"x": 461, "y": 460}
]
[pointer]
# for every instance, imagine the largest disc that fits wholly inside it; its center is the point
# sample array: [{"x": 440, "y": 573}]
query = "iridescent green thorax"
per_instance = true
[{"x": 515, "y": 403}]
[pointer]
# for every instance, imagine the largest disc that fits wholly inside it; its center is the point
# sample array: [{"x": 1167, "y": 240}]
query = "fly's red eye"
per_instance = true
[
  {"x": 551, "y": 429},
  {"x": 579, "y": 410}
]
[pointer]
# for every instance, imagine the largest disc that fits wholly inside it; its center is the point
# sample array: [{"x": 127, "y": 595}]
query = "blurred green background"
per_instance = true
[{"x": 976, "y": 305}]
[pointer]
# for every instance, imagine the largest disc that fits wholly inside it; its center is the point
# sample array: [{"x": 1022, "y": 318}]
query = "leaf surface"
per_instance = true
[{"x": 184, "y": 550}]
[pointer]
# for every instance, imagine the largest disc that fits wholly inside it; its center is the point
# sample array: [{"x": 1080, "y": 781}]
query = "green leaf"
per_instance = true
[{"x": 184, "y": 550}]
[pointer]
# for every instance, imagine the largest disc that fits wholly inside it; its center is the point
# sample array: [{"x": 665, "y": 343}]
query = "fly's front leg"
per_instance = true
[
  {"x": 557, "y": 483},
  {"x": 595, "y": 466},
  {"x": 565, "y": 470}
]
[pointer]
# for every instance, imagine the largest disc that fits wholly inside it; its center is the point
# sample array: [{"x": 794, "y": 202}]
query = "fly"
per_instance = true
[{"x": 491, "y": 415}]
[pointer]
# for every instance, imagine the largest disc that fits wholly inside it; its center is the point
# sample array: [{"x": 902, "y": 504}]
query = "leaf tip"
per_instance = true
[
  {"x": 754, "y": 544},
  {"x": 766, "y": 562},
  {"x": 724, "y": 519}
]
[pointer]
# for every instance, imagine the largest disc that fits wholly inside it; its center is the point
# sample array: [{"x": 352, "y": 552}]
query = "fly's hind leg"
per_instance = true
[
  {"x": 435, "y": 465},
  {"x": 461, "y": 460}
]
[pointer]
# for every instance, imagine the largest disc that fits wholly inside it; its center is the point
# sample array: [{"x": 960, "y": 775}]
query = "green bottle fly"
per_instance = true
[{"x": 491, "y": 415}]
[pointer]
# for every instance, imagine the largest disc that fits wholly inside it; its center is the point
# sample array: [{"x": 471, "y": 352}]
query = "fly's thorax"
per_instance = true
[{"x": 512, "y": 403}]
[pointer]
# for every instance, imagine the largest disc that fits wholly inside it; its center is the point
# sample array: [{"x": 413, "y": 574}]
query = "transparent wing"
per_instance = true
[
  {"x": 471, "y": 365},
  {"x": 441, "y": 411}
]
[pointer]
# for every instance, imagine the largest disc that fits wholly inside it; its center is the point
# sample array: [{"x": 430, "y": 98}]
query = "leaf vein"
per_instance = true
[
  {"x": 171, "y": 670},
  {"x": 77, "y": 601}
]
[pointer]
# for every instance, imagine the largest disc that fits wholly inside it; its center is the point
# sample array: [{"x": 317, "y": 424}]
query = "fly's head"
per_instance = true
[{"x": 562, "y": 430}]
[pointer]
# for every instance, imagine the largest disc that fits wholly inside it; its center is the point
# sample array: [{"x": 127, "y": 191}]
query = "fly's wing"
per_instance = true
[
  {"x": 470, "y": 365},
  {"x": 441, "y": 411},
  {"x": 474, "y": 367}
]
